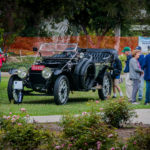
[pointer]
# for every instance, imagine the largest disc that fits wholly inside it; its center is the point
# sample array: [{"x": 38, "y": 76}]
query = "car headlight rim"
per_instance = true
[
  {"x": 81, "y": 55},
  {"x": 46, "y": 73},
  {"x": 22, "y": 72}
]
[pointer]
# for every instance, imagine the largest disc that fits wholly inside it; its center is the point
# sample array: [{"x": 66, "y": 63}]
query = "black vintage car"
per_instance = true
[{"x": 61, "y": 68}]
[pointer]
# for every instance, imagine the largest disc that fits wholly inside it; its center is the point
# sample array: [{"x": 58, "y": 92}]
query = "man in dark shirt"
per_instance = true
[
  {"x": 146, "y": 67},
  {"x": 128, "y": 82},
  {"x": 117, "y": 68}
]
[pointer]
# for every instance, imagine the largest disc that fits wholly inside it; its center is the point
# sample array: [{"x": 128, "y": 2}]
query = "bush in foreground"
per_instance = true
[
  {"x": 87, "y": 131},
  {"x": 117, "y": 113},
  {"x": 17, "y": 134},
  {"x": 140, "y": 140}
]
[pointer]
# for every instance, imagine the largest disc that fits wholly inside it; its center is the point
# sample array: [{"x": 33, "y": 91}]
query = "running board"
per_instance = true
[{"x": 97, "y": 87}]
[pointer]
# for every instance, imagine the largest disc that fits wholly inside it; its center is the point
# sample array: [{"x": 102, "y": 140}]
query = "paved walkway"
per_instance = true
[
  {"x": 143, "y": 117},
  {"x": 5, "y": 74}
]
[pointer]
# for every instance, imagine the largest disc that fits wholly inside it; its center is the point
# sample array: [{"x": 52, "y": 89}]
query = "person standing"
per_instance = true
[
  {"x": 128, "y": 82},
  {"x": 140, "y": 59},
  {"x": 146, "y": 67},
  {"x": 135, "y": 74},
  {"x": 117, "y": 68},
  {"x": 2, "y": 59}
]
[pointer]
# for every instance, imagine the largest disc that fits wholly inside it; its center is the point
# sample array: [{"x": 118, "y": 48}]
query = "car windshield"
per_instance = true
[{"x": 53, "y": 49}]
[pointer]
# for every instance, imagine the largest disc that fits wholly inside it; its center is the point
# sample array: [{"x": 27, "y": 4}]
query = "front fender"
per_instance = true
[{"x": 57, "y": 72}]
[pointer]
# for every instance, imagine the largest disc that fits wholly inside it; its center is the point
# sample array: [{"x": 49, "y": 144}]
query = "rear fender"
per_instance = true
[{"x": 101, "y": 74}]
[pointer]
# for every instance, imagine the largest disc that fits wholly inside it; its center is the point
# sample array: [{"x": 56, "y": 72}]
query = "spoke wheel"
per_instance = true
[
  {"x": 15, "y": 96},
  {"x": 106, "y": 87},
  {"x": 61, "y": 90}
]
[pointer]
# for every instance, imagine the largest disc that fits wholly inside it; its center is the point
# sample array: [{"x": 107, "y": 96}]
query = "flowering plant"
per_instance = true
[
  {"x": 117, "y": 113},
  {"x": 140, "y": 140},
  {"x": 16, "y": 133},
  {"x": 87, "y": 131}
]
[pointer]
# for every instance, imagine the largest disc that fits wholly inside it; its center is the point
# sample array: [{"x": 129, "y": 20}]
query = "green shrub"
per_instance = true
[
  {"x": 1, "y": 139},
  {"x": 7, "y": 66},
  {"x": 17, "y": 134},
  {"x": 87, "y": 131},
  {"x": 123, "y": 59},
  {"x": 21, "y": 62},
  {"x": 140, "y": 140},
  {"x": 12, "y": 54},
  {"x": 117, "y": 113},
  {"x": 27, "y": 136}
]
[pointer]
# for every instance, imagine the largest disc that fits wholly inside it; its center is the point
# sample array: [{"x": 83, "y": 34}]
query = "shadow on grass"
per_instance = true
[
  {"x": 44, "y": 101},
  {"x": 51, "y": 101}
]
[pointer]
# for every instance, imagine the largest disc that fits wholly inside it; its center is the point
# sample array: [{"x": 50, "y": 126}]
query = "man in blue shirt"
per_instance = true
[
  {"x": 146, "y": 67},
  {"x": 128, "y": 82},
  {"x": 141, "y": 60}
]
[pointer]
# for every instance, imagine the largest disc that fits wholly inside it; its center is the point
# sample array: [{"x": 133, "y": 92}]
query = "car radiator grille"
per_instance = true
[{"x": 36, "y": 77}]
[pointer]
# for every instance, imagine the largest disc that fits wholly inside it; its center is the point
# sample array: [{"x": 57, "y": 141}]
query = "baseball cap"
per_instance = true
[
  {"x": 126, "y": 49},
  {"x": 138, "y": 48}
]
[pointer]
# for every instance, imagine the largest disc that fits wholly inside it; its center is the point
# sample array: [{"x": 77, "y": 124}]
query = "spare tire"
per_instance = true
[
  {"x": 87, "y": 75},
  {"x": 79, "y": 65},
  {"x": 77, "y": 71}
]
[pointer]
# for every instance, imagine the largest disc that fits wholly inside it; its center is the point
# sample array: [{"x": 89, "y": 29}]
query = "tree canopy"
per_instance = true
[
  {"x": 102, "y": 15},
  {"x": 23, "y": 17}
]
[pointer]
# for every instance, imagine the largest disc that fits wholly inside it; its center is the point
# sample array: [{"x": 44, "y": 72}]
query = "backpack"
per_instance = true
[{"x": 117, "y": 68}]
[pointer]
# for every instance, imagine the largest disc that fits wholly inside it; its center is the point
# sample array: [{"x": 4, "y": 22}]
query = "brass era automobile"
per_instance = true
[{"x": 60, "y": 68}]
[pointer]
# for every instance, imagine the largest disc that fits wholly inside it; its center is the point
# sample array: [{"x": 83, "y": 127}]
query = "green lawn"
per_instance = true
[{"x": 78, "y": 103}]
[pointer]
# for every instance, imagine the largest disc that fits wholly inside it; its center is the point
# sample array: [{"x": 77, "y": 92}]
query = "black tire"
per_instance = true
[
  {"x": 87, "y": 75},
  {"x": 14, "y": 95},
  {"x": 77, "y": 71},
  {"x": 61, "y": 92},
  {"x": 106, "y": 87}
]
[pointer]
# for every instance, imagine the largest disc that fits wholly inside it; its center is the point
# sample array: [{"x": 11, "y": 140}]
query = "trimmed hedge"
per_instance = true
[{"x": 24, "y": 61}]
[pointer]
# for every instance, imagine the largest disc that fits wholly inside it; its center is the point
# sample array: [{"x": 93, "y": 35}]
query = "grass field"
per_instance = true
[{"x": 78, "y": 102}]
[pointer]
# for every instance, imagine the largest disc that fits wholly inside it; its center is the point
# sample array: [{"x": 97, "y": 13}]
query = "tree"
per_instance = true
[
  {"x": 23, "y": 17},
  {"x": 1, "y": 36},
  {"x": 38, "y": 11},
  {"x": 11, "y": 21},
  {"x": 101, "y": 15},
  {"x": 142, "y": 19}
]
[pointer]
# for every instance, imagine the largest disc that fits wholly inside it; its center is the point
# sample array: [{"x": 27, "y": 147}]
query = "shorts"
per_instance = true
[
  {"x": 117, "y": 77},
  {"x": 115, "y": 82}
]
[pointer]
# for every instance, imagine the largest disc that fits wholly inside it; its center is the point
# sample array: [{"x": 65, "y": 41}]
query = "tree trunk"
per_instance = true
[
  {"x": 117, "y": 37},
  {"x": 86, "y": 33}
]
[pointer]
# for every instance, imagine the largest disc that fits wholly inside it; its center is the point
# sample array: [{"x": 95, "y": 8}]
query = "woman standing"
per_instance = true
[{"x": 135, "y": 73}]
